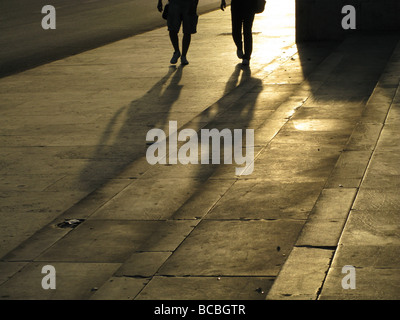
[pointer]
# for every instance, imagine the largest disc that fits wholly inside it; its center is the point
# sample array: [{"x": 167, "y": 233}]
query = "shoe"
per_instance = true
[
  {"x": 245, "y": 62},
  {"x": 239, "y": 53},
  {"x": 184, "y": 61},
  {"x": 175, "y": 57}
]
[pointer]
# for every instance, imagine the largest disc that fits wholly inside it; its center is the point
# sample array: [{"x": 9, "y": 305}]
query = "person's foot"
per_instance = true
[
  {"x": 184, "y": 60},
  {"x": 245, "y": 62},
  {"x": 239, "y": 53},
  {"x": 175, "y": 57}
]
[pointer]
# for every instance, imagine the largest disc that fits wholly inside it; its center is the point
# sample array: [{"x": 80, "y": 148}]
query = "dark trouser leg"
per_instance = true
[
  {"x": 237, "y": 28},
  {"x": 186, "y": 43},
  {"x": 248, "y": 36},
  {"x": 174, "y": 40}
]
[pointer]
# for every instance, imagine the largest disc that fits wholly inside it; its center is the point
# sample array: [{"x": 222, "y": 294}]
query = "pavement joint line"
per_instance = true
[
  {"x": 214, "y": 276},
  {"x": 316, "y": 247}
]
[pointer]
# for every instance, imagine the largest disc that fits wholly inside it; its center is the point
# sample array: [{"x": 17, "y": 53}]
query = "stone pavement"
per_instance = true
[
  {"x": 73, "y": 143},
  {"x": 355, "y": 221}
]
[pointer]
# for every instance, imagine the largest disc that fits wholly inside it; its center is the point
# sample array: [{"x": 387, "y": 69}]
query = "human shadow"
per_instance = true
[
  {"x": 123, "y": 140},
  {"x": 239, "y": 116},
  {"x": 243, "y": 89}
]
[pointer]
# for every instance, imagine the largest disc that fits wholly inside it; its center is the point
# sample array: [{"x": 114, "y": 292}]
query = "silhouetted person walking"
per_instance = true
[
  {"x": 242, "y": 13},
  {"x": 181, "y": 12}
]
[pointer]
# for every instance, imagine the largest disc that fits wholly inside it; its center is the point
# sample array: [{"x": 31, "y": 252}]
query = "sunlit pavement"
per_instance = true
[{"x": 323, "y": 193}]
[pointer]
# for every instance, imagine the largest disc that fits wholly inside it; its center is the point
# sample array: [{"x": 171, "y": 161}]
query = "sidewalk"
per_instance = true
[
  {"x": 356, "y": 224},
  {"x": 73, "y": 143}
]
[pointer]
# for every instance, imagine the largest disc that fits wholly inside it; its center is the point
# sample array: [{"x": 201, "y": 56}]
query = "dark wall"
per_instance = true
[{"x": 322, "y": 19}]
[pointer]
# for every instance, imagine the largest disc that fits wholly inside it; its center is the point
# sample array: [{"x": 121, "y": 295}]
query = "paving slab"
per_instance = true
[
  {"x": 377, "y": 200},
  {"x": 259, "y": 247},
  {"x": 113, "y": 241},
  {"x": 349, "y": 169},
  {"x": 312, "y": 163},
  {"x": 43, "y": 206},
  {"x": 200, "y": 204},
  {"x": 388, "y": 138},
  {"x": 286, "y": 200},
  {"x": 383, "y": 172},
  {"x": 147, "y": 199},
  {"x": 206, "y": 288},
  {"x": 143, "y": 264},
  {"x": 300, "y": 277},
  {"x": 73, "y": 281},
  {"x": 364, "y": 137},
  {"x": 371, "y": 284},
  {"x": 8, "y": 270},
  {"x": 120, "y": 288},
  {"x": 379, "y": 257},
  {"x": 318, "y": 132},
  {"x": 326, "y": 221},
  {"x": 370, "y": 227}
]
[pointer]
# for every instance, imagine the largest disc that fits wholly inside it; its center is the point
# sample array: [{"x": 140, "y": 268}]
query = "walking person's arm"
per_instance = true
[
  {"x": 160, "y": 6},
  {"x": 223, "y": 5}
]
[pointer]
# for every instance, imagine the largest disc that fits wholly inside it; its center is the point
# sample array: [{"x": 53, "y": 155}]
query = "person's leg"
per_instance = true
[
  {"x": 174, "y": 40},
  {"x": 187, "y": 37},
  {"x": 174, "y": 24},
  {"x": 248, "y": 36},
  {"x": 190, "y": 19},
  {"x": 185, "y": 47},
  {"x": 175, "y": 43},
  {"x": 236, "y": 17}
]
